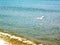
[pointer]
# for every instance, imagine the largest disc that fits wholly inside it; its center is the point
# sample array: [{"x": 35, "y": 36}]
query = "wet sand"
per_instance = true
[{"x": 15, "y": 40}]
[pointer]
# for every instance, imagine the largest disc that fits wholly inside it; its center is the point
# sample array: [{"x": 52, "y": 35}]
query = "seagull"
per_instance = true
[{"x": 40, "y": 18}]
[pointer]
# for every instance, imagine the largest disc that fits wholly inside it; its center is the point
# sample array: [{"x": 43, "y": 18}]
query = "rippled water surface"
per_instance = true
[{"x": 39, "y": 19}]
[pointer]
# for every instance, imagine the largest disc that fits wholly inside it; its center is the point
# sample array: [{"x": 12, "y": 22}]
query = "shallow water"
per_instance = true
[{"x": 40, "y": 21}]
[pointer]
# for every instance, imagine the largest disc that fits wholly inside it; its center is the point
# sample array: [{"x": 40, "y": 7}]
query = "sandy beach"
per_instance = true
[{"x": 8, "y": 39}]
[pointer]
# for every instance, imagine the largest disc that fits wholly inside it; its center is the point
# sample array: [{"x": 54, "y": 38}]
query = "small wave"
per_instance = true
[
  {"x": 25, "y": 41},
  {"x": 26, "y": 9}
]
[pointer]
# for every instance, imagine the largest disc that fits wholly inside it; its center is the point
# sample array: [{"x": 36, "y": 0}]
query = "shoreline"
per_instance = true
[{"x": 15, "y": 40}]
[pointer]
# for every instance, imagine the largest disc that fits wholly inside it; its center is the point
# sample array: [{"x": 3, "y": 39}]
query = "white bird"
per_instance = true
[{"x": 40, "y": 18}]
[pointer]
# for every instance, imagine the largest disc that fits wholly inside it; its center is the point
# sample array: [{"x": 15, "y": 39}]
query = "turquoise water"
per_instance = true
[{"x": 39, "y": 19}]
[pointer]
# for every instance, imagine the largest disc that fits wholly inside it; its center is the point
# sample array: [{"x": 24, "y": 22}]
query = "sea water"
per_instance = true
[{"x": 38, "y": 19}]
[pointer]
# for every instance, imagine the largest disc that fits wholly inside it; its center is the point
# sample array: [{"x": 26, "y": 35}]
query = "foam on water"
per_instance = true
[
  {"x": 18, "y": 38},
  {"x": 2, "y": 42}
]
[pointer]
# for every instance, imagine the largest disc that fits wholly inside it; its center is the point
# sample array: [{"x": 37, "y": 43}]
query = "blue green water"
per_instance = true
[{"x": 39, "y": 19}]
